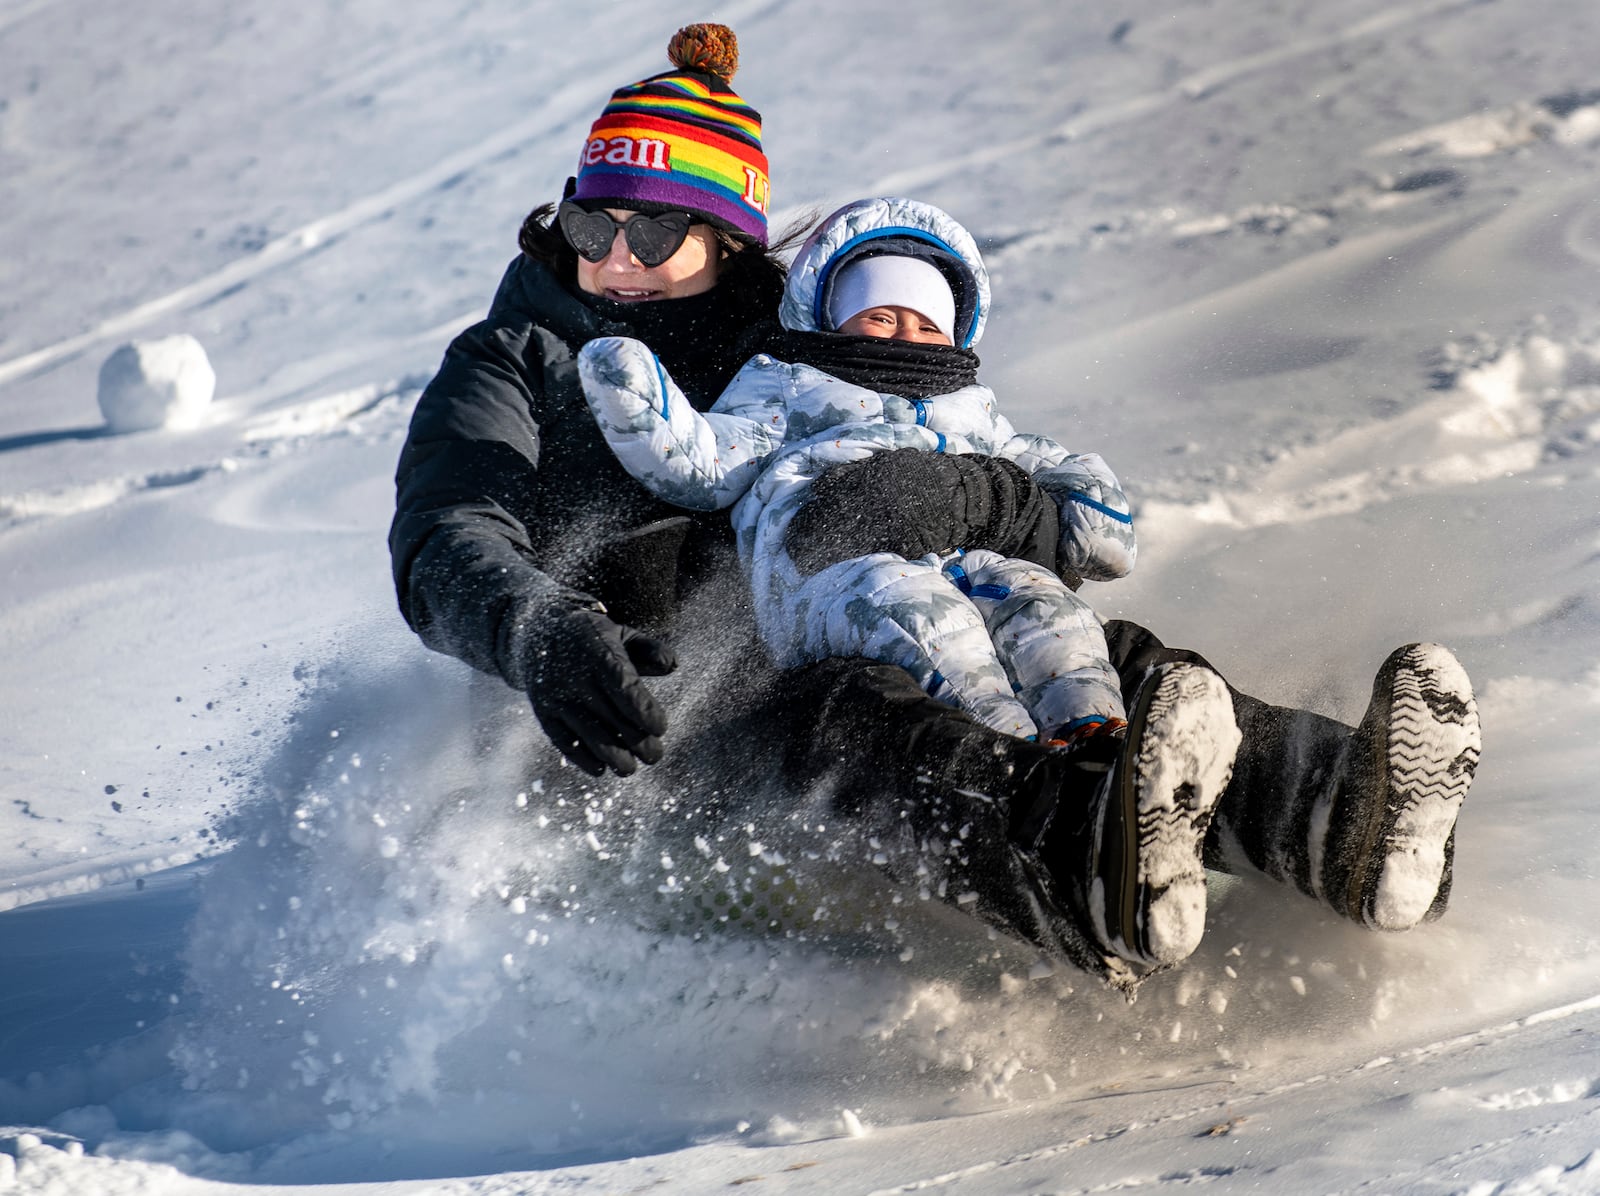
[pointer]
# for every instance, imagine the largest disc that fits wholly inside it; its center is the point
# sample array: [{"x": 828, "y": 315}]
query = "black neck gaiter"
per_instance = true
[
  {"x": 696, "y": 338},
  {"x": 902, "y": 368}
]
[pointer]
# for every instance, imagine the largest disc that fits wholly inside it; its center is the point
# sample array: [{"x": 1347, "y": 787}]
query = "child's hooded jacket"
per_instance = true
[{"x": 780, "y": 425}]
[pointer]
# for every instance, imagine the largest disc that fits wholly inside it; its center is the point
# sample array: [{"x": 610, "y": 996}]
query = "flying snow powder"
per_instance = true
[{"x": 164, "y": 383}]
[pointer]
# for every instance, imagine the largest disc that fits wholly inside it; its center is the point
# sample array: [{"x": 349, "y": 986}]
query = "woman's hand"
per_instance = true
[{"x": 586, "y": 683}]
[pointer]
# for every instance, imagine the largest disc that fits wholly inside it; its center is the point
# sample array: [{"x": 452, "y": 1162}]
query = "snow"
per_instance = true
[
  {"x": 163, "y": 383},
  {"x": 287, "y": 907}
]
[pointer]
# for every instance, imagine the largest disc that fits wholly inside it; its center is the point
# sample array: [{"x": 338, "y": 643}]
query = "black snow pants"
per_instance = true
[{"x": 885, "y": 743}]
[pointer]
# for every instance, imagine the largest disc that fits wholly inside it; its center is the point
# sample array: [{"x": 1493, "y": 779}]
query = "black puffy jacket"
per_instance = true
[{"x": 507, "y": 498}]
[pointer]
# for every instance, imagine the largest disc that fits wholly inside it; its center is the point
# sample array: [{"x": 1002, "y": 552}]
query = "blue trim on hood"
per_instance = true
[{"x": 820, "y": 317}]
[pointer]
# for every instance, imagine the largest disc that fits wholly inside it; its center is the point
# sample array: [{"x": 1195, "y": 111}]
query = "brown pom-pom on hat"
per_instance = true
[{"x": 709, "y": 49}]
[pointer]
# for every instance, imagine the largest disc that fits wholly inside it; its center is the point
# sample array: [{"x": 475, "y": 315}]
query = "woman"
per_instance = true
[
  {"x": 520, "y": 546},
  {"x": 510, "y": 511}
]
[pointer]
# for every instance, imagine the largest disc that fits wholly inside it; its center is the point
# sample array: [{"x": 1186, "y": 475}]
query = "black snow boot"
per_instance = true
[
  {"x": 1363, "y": 818},
  {"x": 1127, "y": 862}
]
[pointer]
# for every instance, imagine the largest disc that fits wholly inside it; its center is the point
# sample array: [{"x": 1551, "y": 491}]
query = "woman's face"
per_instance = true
[{"x": 619, "y": 275}]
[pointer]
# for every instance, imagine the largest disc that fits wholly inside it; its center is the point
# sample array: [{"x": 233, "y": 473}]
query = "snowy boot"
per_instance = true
[
  {"x": 1362, "y": 819},
  {"x": 1383, "y": 842},
  {"x": 1128, "y": 861}
]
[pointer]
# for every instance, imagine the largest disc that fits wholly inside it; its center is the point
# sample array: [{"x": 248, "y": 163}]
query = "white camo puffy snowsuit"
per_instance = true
[{"x": 1003, "y": 639}]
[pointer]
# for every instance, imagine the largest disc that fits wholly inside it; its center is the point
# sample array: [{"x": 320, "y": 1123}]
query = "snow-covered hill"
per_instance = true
[{"x": 1322, "y": 281}]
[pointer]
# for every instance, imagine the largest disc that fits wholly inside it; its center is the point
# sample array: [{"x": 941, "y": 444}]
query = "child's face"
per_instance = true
[{"x": 894, "y": 323}]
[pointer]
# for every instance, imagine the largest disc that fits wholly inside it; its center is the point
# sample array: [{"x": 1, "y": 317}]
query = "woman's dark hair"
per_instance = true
[{"x": 755, "y": 275}]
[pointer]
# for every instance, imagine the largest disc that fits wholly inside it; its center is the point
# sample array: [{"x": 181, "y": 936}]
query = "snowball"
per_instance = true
[{"x": 163, "y": 383}]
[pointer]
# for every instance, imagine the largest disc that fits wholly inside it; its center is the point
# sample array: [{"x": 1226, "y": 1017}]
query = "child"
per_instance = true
[
  {"x": 1002, "y": 638},
  {"x": 880, "y": 311}
]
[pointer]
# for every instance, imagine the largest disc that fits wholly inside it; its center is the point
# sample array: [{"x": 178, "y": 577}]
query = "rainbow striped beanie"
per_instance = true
[{"x": 682, "y": 141}]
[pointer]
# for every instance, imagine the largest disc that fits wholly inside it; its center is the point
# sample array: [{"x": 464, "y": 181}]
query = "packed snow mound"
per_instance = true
[{"x": 165, "y": 383}]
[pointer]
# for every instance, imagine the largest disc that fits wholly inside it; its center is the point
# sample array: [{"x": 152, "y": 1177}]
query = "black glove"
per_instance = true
[
  {"x": 912, "y": 502},
  {"x": 585, "y": 679}
]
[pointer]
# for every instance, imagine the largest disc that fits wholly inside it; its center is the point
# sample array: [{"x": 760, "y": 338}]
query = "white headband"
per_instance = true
[{"x": 892, "y": 281}]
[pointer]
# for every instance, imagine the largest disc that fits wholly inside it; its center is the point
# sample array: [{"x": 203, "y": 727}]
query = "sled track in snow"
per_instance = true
[
  {"x": 571, "y": 101},
  {"x": 1239, "y": 1101},
  {"x": 22, "y": 12},
  {"x": 1195, "y": 86},
  {"x": 565, "y": 104},
  {"x": 321, "y": 417}
]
